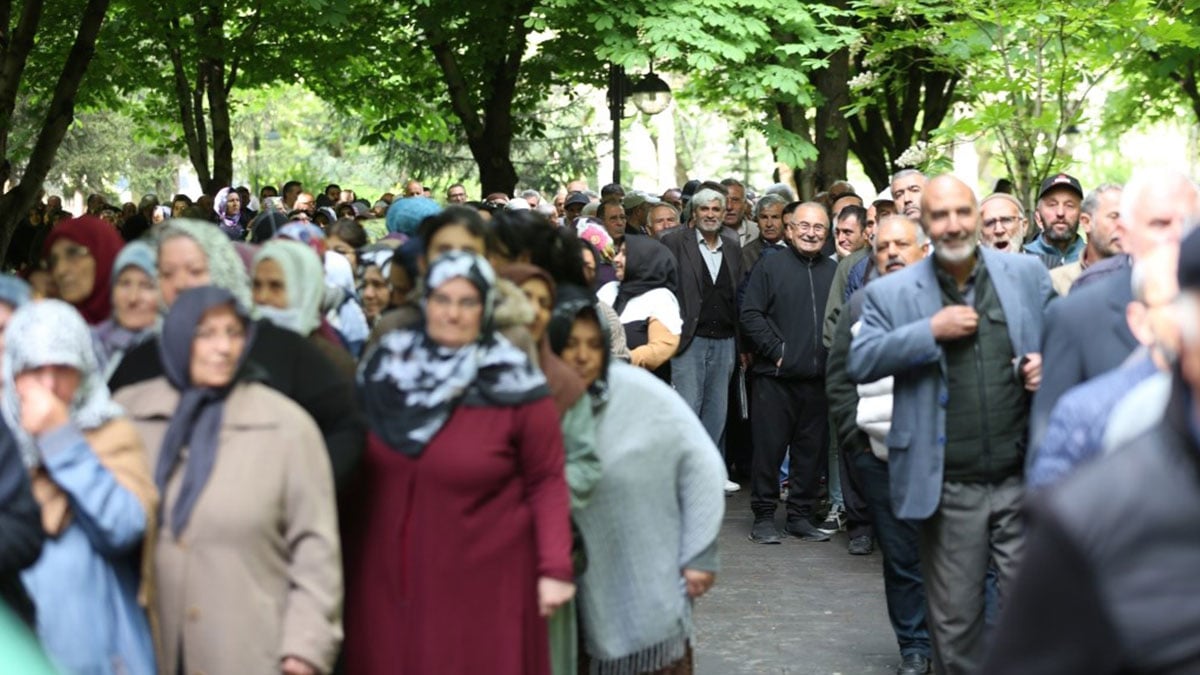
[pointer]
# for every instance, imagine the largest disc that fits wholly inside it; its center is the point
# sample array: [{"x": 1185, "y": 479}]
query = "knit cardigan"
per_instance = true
[{"x": 656, "y": 510}]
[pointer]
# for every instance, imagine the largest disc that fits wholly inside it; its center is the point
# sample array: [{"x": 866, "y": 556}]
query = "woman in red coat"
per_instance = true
[{"x": 458, "y": 545}]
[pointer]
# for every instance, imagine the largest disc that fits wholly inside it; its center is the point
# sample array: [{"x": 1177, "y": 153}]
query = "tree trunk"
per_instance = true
[
  {"x": 792, "y": 118},
  {"x": 222, "y": 139},
  {"x": 12, "y": 67},
  {"x": 61, "y": 112},
  {"x": 831, "y": 136}
]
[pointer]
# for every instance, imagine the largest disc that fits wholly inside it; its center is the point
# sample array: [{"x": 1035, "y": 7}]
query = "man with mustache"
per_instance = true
[
  {"x": 960, "y": 334},
  {"x": 781, "y": 322},
  {"x": 1057, "y": 214},
  {"x": 1100, "y": 219},
  {"x": 1003, "y": 224},
  {"x": 861, "y": 416}
]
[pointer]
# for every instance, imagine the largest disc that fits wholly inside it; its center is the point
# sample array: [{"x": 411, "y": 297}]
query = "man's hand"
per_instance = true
[
  {"x": 698, "y": 582},
  {"x": 293, "y": 665},
  {"x": 744, "y": 359},
  {"x": 1031, "y": 372},
  {"x": 954, "y": 322},
  {"x": 41, "y": 410}
]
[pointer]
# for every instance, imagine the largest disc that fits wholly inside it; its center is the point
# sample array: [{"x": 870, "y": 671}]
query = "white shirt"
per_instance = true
[
  {"x": 712, "y": 257},
  {"x": 659, "y": 303}
]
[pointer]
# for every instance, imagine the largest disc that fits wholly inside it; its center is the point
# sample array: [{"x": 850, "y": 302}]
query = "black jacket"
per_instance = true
[
  {"x": 21, "y": 534},
  {"x": 691, "y": 267},
  {"x": 840, "y": 390},
  {"x": 296, "y": 369},
  {"x": 783, "y": 312}
]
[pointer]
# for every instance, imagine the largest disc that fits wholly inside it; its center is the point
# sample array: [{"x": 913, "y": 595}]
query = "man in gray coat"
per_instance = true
[{"x": 960, "y": 333}]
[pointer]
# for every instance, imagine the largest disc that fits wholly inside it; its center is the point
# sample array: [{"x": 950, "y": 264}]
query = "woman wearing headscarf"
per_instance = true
[
  {"x": 98, "y": 501},
  {"x": 340, "y": 304},
  {"x": 652, "y": 521},
  {"x": 373, "y": 279},
  {"x": 459, "y": 543},
  {"x": 247, "y": 554},
  {"x": 579, "y": 440},
  {"x": 135, "y": 307},
  {"x": 14, "y": 293},
  {"x": 80, "y": 253},
  {"x": 644, "y": 299},
  {"x": 192, "y": 253},
  {"x": 230, "y": 216},
  {"x": 289, "y": 286}
]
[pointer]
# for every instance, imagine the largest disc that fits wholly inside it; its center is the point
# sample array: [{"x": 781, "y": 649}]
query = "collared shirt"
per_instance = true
[
  {"x": 950, "y": 284},
  {"x": 1044, "y": 248},
  {"x": 712, "y": 257}
]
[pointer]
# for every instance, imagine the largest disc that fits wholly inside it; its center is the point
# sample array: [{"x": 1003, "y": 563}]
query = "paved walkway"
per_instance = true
[{"x": 798, "y": 608}]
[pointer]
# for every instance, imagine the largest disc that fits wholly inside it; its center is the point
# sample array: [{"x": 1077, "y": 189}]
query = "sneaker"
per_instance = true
[
  {"x": 731, "y": 487},
  {"x": 765, "y": 532},
  {"x": 913, "y": 664},
  {"x": 860, "y": 545},
  {"x": 805, "y": 531},
  {"x": 834, "y": 522}
]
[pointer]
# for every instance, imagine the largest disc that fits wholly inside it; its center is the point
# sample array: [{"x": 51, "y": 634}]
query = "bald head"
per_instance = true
[
  {"x": 950, "y": 215},
  {"x": 1157, "y": 206}
]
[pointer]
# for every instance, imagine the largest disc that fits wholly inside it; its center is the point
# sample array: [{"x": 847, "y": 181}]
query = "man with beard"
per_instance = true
[
  {"x": 1058, "y": 217},
  {"x": 861, "y": 417},
  {"x": 1003, "y": 224},
  {"x": 709, "y": 261},
  {"x": 780, "y": 318},
  {"x": 1100, "y": 219},
  {"x": 959, "y": 333}
]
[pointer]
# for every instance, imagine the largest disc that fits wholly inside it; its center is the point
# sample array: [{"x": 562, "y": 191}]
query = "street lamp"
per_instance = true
[{"x": 651, "y": 95}]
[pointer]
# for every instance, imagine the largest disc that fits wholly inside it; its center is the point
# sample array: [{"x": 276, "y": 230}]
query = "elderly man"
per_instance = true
[
  {"x": 768, "y": 213},
  {"x": 907, "y": 186},
  {"x": 1003, "y": 226},
  {"x": 710, "y": 265},
  {"x": 1109, "y": 573},
  {"x": 413, "y": 188},
  {"x": 959, "y": 333},
  {"x": 456, "y": 194},
  {"x": 735, "y": 211},
  {"x": 1100, "y": 219},
  {"x": 1057, "y": 214},
  {"x": 664, "y": 217},
  {"x": 780, "y": 318},
  {"x": 612, "y": 215},
  {"x": 861, "y": 417}
]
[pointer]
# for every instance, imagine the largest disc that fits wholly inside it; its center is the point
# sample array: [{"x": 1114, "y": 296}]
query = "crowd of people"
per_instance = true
[{"x": 298, "y": 434}]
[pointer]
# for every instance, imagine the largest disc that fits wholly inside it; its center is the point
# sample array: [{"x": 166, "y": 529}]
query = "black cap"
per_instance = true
[
  {"x": 576, "y": 198},
  {"x": 1189, "y": 262},
  {"x": 1060, "y": 180}
]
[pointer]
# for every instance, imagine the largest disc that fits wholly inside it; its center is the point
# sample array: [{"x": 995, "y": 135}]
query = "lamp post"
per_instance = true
[{"x": 651, "y": 95}]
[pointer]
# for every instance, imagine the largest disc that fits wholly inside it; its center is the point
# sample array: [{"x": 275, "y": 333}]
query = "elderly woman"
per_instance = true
[
  {"x": 134, "y": 307},
  {"x": 652, "y": 521},
  {"x": 231, "y": 218},
  {"x": 247, "y": 554},
  {"x": 459, "y": 544},
  {"x": 97, "y": 498},
  {"x": 80, "y": 254},
  {"x": 192, "y": 253},
  {"x": 644, "y": 298}
]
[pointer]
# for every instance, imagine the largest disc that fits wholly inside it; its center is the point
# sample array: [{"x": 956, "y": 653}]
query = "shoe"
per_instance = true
[
  {"x": 860, "y": 545},
  {"x": 913, "y": 664},
  {"x": 834, "y": 522},
  {"x": 731, "y": 487},
  {"x": 805, "y": 531},
  {"x": 765, "y": 532}
]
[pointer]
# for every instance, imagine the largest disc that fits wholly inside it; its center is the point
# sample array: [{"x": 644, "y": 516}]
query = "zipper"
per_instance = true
[
  {"x": 812, "y": 294},
  {"x": 782, "y": 353}
]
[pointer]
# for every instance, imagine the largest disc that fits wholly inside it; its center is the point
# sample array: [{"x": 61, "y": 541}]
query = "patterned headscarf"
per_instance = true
[
  {"x": 306, "y": 233},
  {"x": 230, "y": 225},
  {"x": 52, "y": 333},
  {"x": 411, "y": 385},
  {"x": 225, "y": 267},
  {"x": 305, "y": 283}
]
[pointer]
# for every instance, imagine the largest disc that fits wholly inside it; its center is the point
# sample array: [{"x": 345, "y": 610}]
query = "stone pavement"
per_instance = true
[{"x": 797, "y": 608}]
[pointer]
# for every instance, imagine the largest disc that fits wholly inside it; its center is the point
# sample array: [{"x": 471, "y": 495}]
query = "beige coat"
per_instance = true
[{"x": 256, "y": 575}]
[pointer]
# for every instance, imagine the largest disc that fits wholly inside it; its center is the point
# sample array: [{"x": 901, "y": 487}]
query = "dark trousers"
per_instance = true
[
  {"x": 738, "y": 448},
  {"x": 899, "y": 543},
  {"x": 858, "y": 513},
  {"x": 788, "y": 414}
]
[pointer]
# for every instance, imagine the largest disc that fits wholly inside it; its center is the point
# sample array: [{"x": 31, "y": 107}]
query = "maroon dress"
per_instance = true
[{"x": 443, "y": 550}]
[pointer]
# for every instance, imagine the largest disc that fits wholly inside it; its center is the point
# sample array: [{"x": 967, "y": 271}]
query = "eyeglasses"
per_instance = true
[
  {"x": 805, "y": 227},
  {"x": 69, "y": 254},
  {"x": 1006, "y": 221}
]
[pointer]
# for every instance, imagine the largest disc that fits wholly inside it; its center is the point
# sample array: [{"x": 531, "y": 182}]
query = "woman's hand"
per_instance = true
[
  {"x": 698, "y": 582},
  {"x": 41, "y": 410},
  {"x": 553, "y": 594},
  {"x": 294, "y": 665}
]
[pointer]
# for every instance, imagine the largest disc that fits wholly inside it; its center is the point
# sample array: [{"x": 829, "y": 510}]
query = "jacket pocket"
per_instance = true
[{"x": 898, "y": 439}]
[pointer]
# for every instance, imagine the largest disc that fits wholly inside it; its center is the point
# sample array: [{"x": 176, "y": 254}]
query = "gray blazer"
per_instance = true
[{"x": 896, "y": 339}]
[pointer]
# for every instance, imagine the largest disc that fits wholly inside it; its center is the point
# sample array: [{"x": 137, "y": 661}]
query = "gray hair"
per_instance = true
[
  {"x": 707, "y": 195},
  {"x": 922, "y": 236},
  {"x": 1092, "y": 201},
  {"x": 1143, "y": 181},
  {"x": 769, "y": 199},
  {"x": 905, "y": 173},
  {"x": 783, "y": 190}
]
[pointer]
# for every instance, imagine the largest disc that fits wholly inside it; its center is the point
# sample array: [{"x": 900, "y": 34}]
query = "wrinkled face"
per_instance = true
[
  {"x": 1003, "y": 226},
  {"x": 135, "y": 299},
  {"x": 896, "y": 246},
  {"x": 305, "y": 202},
  {"x": 270, "y": 286},
  {"x": 906, "y": 195},
  {"x": 770, "y": 222},
  {"x": 233, "y": 204},
  {"x": 807, "y": 230},
  {"x": 62, "y": 381},
  {"x": 735, "y": 206},
  {"x": 452, "y": 238},
  {"x": 619, "y": 262},
  {"x": 584, "y": 350},
  {"x": 375, "y": 292},
  {"x": 338, "y": 245},
  {"x": 1158, "y": 217},
  {"x": 181, "y": 265},
  {"x": 454, "y": 313},
  {"x": 543, "y": 304},
  {"x": 951, "y": 220},
  {"x": 849, "y": 235},
  {"x": 708, "y": 217},
  {"x": 217, "y": 346},
  {"x": 1104, "y": 226},
  {"x": 614, "y": 219},
  {"x": 456, "y": 195},
  {"x": 1058, "y": 211},
  {"x": 662, "y": 218},
  {"x": 74, "y": 270}
]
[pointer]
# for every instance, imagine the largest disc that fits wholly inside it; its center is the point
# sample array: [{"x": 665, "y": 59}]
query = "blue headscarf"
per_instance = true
[{"x": 404, "y": 215}]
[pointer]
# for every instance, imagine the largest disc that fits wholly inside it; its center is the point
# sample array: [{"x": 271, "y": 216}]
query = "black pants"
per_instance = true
[
  {"x": 858, "y": 514},
  {"x": 788, "y": 415}
]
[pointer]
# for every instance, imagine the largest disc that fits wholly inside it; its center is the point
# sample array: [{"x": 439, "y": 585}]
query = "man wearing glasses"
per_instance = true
[
  {"x": 781, "y": 320},
  {"x": 1003, "y": 223}
]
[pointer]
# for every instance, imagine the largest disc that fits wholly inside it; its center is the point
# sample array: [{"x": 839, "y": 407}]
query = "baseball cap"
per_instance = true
[
  {"x": 576, "y": 198},
  {"x": 1060, "y": 180}
]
